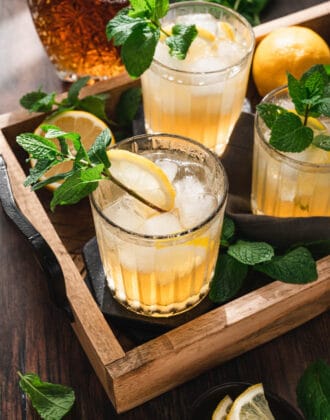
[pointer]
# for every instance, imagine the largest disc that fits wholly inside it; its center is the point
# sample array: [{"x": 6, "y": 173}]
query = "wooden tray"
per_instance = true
[{"x": 131, "y": 374}]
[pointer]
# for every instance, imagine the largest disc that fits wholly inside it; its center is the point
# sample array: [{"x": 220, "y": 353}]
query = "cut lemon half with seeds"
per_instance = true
[
  {"x": 222, "y": 409},
  {"x": 81, "y": 122},
  {"x": 251, "y": 405},
  {"x": 142, "y": 177}
]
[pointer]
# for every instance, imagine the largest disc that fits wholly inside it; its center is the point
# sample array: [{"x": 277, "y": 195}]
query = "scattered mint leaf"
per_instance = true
[
  {"x": 51, "y": 401},
  {"x": 289, "y": 134},
  {"x": 228, "y": 278},
  {"x": 313, "y": 391},
  {"x": 38, "y": 101},
  {"x": 95, "y": 105},
  {"x": 270, "y": 112},
  {"x": 128, "y": 105},
  {"x": 228, "y": 231},
  {"x": 296, "y": 266},
  {"x": 251, "y": 253},
  {"x": 37, "y": 147},
  {"x": 41, "y": 167},
  {"x": 322, "y": 141},
  {"x": 181, "y": 39},
  {"x": 75, "y": 88},
  {"x": 97, "y": 153}
]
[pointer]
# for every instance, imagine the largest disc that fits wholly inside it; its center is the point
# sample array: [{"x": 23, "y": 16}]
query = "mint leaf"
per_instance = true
[
  {"x": 37, "y": 147},
  {"x": 41, "y": 167},
  {"x": 51, "y": 401},
  {"x": 298, "y": 93},
  {"x": 95, "y": 105},
  {"x": 122, "y": 26},
  {"x": 97, "y": 153},
  {"x": 77, "y": 186},
  {"x": 138, "y": 50},
  {"x": 289, "y": 134},
  {"x": 75, "y": 89},
  {"x": 251, "y": 253},
  {"x": 160, "y": 8},
  {"x": 128, "y": 105},
  {"x": 322, "y": 141},
  {"x": 313, "y": 391},
  {"x": 38, "y": 101},
  {"x": 181, "y": 39},
  {"x": 228, "y": 278},
  {"x": 296, "y": 266},
  {"x": 270, "y": 112},
  {"x": 228, "y": 231}
]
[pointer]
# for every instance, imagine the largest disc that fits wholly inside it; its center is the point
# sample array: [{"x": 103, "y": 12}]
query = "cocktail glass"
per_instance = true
[
  {"x": 200, "y": 97},
  {"x": 289, "y": 184},
  {"x": 161, "y": 264}
]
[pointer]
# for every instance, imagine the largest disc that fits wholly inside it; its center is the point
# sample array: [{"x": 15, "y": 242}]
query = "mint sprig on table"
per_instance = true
[
  {"x": 51, "y": 401},
  {"x": 313, "y": 391},
  {"x": 137, "y": 30},
  {"x": 238, "y": 257},
  {"x": 311, "y": 98}
]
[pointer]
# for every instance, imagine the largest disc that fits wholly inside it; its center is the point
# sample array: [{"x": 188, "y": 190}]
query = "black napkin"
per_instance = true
[{"x": 279, "y": 231}]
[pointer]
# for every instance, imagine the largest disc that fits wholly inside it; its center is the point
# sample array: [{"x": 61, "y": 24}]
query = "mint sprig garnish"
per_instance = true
[
  {"x": 51, "y": 401},
  {"x": 311, "y": 98},
  {"x": 137, "y": 30},
  {"x": 313, "y": 391},
  {"x": 89, "y": 166},
  {"x": 238, "y": 257}
]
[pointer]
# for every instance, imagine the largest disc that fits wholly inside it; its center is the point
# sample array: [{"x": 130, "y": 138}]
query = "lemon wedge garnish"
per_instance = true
[
  {"x": 81, "y": 122},
  {"x": 251, "y": 404},
  {"x": 312, "y": 122},
  {"x": 142, "y": 176},
  {"x": 222, "y": 409},
  {"x": 205, "y": 34}
]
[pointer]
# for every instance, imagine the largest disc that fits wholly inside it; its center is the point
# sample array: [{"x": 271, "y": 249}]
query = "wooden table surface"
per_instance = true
[{"x": 36, "y": 337}]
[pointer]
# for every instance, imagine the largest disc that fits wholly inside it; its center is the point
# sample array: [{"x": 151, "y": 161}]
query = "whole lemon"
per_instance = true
[{"x": 293, "y": 49}]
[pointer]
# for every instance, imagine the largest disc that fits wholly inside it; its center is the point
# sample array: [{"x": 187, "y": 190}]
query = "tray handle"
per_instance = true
[{"x": 43, "y": 252}]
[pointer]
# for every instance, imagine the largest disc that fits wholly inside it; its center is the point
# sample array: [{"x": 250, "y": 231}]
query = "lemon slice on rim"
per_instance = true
[
  {"x": 143, "y": 177},
  {"x": 312, "y": 122},
  {"x": 251, "y": 404},
  {"x": 81, "y": 122},
  {"x": 222, "y": 409}
]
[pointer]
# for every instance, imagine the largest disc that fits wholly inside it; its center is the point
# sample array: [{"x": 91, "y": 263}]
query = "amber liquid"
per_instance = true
[{"x": 73, "y": 34}]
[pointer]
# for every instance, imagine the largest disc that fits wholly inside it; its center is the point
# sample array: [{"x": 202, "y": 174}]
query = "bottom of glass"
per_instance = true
[{"x": 159, "y": 311}]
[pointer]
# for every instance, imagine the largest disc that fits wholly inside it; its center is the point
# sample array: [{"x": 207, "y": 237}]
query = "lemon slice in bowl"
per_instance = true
[
  {"x": 222, "y": 409},
  {"x": 81, "y": 122},
  {"x": 143, "y": 177},
  {"x": 251, "y": 405}
]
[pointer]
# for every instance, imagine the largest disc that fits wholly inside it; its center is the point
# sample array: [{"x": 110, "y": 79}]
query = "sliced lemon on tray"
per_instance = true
[
  {"x": 222, "y": 409},
  {"x": 251, "y": 405},
  {"x": 81, "y": 122},
  {"x": 142, "y": 176}
]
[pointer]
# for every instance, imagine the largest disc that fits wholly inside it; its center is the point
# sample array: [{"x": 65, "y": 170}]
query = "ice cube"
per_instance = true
[
  {"x": 195, "y": 208},
  {"x": 125, "y": 213},
  {"x": 201, "y": 20},
  {"x": 162, "y": 224},
  {"x": 169, "y": 167}
]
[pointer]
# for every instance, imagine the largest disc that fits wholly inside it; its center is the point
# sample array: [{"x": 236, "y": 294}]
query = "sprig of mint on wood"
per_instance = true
[
  {"x": 311, "y": 98},
  {"x": 51, "y": 401},
  {"x": 137, "y": 30},
  {"x": 238, "y": 257},
  {"x": 126, "y": 109}
]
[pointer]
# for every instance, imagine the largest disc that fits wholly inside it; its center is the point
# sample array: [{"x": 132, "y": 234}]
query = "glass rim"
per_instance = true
[
  {"x": 224, "y": 70},
  {"x": 182, "y": 233},
  {"x": 279, "y": 154}
]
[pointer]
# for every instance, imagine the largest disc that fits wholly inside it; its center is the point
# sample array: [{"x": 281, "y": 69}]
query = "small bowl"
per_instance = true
[{"x": 203, "y": 407}]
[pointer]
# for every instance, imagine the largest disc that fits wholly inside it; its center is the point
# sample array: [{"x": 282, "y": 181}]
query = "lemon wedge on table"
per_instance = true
[
  {"x": 251, "y": 405},
  {"x": 81, "y": 122},
  {"x": 222, "y": 409},
  {"x": 142, "y": 176}
]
